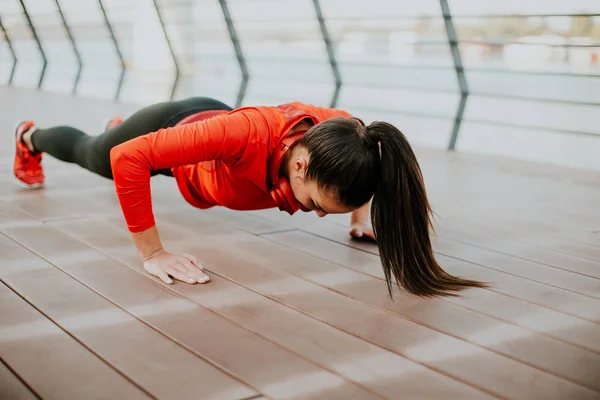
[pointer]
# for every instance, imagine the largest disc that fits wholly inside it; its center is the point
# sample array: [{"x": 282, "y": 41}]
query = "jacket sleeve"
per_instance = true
[{"x": 223, "y": 137}]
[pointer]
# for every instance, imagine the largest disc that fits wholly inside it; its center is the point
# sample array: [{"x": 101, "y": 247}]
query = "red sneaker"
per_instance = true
[
  {"x": 113, "y": 122},
  {"x": 28, "y": 166}
]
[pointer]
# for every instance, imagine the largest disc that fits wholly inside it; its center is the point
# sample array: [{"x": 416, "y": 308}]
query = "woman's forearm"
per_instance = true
[{"x": 147, "y": 242}]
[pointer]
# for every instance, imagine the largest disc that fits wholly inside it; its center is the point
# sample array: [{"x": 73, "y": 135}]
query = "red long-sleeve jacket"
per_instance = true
[{"x": 221, "y": 161}]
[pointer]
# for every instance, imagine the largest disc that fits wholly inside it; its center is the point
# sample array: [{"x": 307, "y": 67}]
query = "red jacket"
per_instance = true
[{"x": 218, "y": 161}]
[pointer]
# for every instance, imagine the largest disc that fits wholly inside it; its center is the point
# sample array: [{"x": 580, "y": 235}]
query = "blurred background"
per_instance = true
[{"x": 518, "y": 78}]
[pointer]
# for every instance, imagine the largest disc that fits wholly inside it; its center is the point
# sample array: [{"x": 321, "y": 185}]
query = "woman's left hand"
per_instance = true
[{"x": 363, "y": 231}]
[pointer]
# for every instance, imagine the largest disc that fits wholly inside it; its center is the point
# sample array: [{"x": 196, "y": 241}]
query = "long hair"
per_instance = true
[{"x": 357, "y": 163}]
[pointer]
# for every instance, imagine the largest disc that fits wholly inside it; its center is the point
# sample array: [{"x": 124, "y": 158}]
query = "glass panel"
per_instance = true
[
  {"x": 532, "y": 58},
  {"x": 392, "y": 77},
  {"x": 268, "y": 92},
  {"x": 523, "y": 7},
  {"x": 294, "y": 41},
  {"x": 407, "y": 101},
  {"x": 563, "y": 30},
  {"x": 374, "y": 9},
  {"x": 546, "y": 44},
  {"x": 567, "y": 149},
  {"x": 6, "y": 60},
  {"x": 393, "y": 51},
  {"x": 395, "y": 42},
  {"x": 212, "y": 77},
  {"x": 550, "y": 87},
  {"x": 201, "y": 43},
  {"x": 150, "y": 71},
  {"x": 272, "y": 11},
  {"x": 296, "y": 70},
  {"x": 62, "y": 64},
  {"x": 568, "y": 117},
  {"x": 540, "y": 67},
  {"x": 225, "y": 90},
  {"x": 29, "y": 67},
  {"x": 101, "y": 67},
  {"x": 285, "y": 52}
]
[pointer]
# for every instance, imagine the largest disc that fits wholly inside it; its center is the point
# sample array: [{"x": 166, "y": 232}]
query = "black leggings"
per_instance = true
[{"x": 93, "y": 152}]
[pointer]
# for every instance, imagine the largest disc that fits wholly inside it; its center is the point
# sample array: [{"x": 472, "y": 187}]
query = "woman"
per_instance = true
[{"x": 293, "y": 156}]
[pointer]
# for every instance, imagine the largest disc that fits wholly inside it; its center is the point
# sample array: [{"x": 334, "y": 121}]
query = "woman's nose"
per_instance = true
[{"x": 321, "y": 213}]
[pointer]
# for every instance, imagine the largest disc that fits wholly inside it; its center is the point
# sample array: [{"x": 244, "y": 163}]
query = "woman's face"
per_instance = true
[{"x": 308, "y": 193}]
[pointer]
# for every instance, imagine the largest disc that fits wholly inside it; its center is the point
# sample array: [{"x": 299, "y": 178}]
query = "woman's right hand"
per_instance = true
[{"x": 183, "y": 267}]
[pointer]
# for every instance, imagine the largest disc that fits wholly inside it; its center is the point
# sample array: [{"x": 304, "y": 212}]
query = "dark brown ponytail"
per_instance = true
[{"x": 401, "y": 217}]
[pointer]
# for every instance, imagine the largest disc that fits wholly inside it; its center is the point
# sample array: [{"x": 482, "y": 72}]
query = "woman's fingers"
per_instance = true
[
  {"x": 193, "y": 259},
  {"x": 362, "y": 232},
  {"x": 356, "y": 232},
  {"x": 185, "y": 268},
  {"x": 164, "y": 277},
  {"x": 180, "y": 274},
  {"x": 197, "y": 269},
  {"x": 191, "y": 271}
]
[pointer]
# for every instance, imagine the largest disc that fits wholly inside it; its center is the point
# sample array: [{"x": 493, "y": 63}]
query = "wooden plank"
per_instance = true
[
  {"x": 335, "y": 227},
  {"x": 518, "y": 343},
  {"x": 536, "y": 292},
  {"x": 282, "y": 374},
  {"x": 584, "y": 233},
  {"x": 243, "y": 221},
  {"x": 11, "y": 387},
  {"x": 157, "y": 364},
  {"x": 491, "y": 303},
  {"x": 350, "y": 357},
  {"x": 542, "y": 200},
  {"x": 462, "y": 360},
  {"x": 566, "y": 246},
  {"x": 573, "y": 303},
  {"x": 518, "y": 267},
  {"x": 483, "y": 257},
  {"x": 533, "y": 194},
  {"x": 51, "y": 362},
  {"x": 511, "y": 245},
  {"x": 561, "y": 326},
  {"x": 35, "y": 205},
  {"x": 465, "y": 228}
]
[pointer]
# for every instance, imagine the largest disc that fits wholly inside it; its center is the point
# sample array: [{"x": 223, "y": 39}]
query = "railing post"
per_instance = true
[
  {"x": 118, "y": 50},
  {"x": 168, "y": 39},
  {"x": 330, "y": 53},
  {"x": 73, "y": 45},
  {"x": 460, "y": 72},
  {"x": 37, "y": 40},
  {"x": 238, "y": 52},
  {"x": 12, "y": 53}
]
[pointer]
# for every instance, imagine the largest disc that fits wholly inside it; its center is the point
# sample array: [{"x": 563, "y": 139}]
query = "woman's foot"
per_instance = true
[{"x": 28, "y": 164}]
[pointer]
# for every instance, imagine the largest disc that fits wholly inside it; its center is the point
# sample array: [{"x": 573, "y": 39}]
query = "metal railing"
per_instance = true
[{"x": 187, "y": 60}]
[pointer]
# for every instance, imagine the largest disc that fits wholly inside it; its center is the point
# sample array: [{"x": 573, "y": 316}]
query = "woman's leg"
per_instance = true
[{"x": 93, "y": 152}]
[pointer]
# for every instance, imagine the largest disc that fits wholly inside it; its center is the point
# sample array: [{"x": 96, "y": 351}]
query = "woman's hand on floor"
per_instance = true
[
  {"x": 362, "y": 230},
  {"x": 183, "y": 267}
]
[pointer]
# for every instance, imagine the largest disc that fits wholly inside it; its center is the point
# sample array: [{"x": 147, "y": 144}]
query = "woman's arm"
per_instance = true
[{"x": 223, "y": 137}]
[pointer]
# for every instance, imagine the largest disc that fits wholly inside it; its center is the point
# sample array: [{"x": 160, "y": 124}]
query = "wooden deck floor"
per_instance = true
[{"x": 295, "y": 309}]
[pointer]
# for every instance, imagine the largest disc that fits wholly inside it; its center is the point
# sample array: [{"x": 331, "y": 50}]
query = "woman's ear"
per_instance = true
[{"x": 301, "y": 164}]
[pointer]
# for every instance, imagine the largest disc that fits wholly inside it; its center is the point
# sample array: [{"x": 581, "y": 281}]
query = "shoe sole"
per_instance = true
[
  {"x": 28, "y": 186},
  {"x": 20, "y": 182}
]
